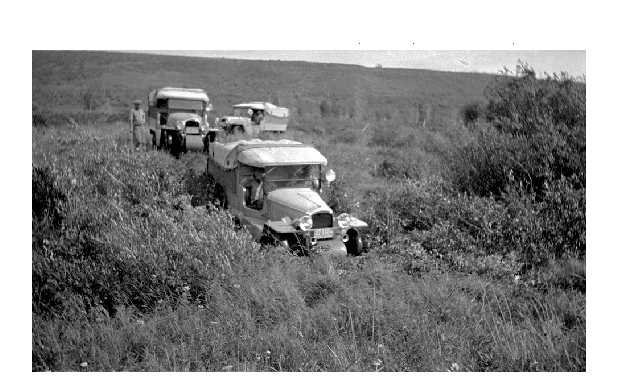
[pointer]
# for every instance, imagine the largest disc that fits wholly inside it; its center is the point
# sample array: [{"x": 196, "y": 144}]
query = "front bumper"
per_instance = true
[{"x": 334, "y": 245}]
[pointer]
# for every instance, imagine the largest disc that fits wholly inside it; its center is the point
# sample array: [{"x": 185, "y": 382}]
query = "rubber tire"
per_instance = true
[
  {"x": 300, "y": 245},
  {"x": 176, "y": 148},
  {"x": 162, "y": 141},
  {"x": 355, "y": 245}
]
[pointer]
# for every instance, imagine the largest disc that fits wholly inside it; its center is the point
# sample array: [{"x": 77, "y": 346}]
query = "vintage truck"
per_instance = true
[
  {"x": 177, "y": 119},
  {"x": 254, "y": 117},
  {"x": 273, "y": 187}
]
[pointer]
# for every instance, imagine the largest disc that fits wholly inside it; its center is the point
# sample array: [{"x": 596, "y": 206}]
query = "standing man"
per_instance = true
[
  {"x": 137, "y": 119},
  {"x": 254, "y": 185}
]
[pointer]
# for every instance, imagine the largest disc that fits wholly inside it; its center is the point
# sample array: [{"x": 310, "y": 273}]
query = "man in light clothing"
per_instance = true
[
  {"x": 137, "y": 119},
  {"x": 255, "y": 186}
]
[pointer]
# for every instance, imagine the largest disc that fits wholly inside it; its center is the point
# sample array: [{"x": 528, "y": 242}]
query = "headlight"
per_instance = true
[
  {"x": 179, "y": 125},
  {"x": 344, "y": 220},
  {"x": 305, "y": 223},
  {"x": 330, "y": 175}
]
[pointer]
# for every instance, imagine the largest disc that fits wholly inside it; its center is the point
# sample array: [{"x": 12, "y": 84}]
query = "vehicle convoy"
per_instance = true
[
  {"x": 273, "y": 187},
  {"x": 254, "y": 117},
  {"x": 177, "y": 119}
]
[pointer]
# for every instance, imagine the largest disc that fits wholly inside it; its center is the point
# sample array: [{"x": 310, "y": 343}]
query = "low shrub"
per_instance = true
[
  {"x": 522, "y": 103},
  {"x": 44, "y": 118},
  {"x": 471, "y": 112},
  {"x": 397, "y": 168},
  {"x": 387, "y": 136},
  {"x": 48, "y": 199},
  {"x": 130, "y": 235},
  {"x": 511, "y": 234},
  {"x": 347, "y": 136}
]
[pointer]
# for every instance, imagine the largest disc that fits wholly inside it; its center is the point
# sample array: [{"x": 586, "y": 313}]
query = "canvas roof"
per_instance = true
[
  {"x": 182, "y": 93},
  {"x": 259, "y": 153}
]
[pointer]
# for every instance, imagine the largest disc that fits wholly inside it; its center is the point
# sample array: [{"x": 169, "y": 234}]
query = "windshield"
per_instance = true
[
  {"x": 240, "y": 112},
  {"x": 301, "y": 176},
  {"x": 186, "y": 105}
]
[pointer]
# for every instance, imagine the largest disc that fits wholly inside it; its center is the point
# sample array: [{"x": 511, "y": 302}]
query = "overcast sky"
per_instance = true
[{"x": 487, "y": 61}]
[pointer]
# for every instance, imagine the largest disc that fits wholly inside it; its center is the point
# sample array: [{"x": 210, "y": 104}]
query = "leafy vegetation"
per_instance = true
[{"x": 469, "y": 264}]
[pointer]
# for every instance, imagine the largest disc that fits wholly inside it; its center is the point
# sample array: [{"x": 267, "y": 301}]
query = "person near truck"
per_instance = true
[
  {"x": 257, "y": 116},
  {"x": 255, "y": 185},
  {"x": 137, "y": 118}
]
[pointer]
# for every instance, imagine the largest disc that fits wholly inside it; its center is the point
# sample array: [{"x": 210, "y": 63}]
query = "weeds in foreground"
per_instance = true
[{"x": 133, "y": 277}]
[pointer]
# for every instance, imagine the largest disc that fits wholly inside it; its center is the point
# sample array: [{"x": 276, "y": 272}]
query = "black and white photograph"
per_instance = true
[{"x": 355, "y": 207}]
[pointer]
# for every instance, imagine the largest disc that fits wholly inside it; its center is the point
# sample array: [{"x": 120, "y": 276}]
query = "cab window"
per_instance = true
[
  {"x": 299, "y": 176},
  {"x": 185, "y": 105}
]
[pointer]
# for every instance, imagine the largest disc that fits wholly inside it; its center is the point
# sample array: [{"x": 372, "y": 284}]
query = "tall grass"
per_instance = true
[{"x": 128, "y": 275}]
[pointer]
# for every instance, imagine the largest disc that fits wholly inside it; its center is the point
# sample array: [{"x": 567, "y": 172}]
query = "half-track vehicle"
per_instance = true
[
  {"x": 254, "y": 117},
  {"x": 273, "y": 188},
  {"x": 177, "y": 119}
]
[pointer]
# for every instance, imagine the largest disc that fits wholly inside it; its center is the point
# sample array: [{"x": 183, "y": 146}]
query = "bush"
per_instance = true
[
  {"x": 130, "y": 237},
  {"x": 537, "y": 136},
  {"x": 402, "y": 164},
  {"x": 347, "y": 136},
  {"x": 470, "y": 113},
  {"x": 47, "y": 199},
  {"x": 525, "y": 104},
  {"x": 398, "y": 169},
  {"x": 513, "y": 233},
  {"x": 386, "y": 136},
  {"x": 38, "y": 117}
]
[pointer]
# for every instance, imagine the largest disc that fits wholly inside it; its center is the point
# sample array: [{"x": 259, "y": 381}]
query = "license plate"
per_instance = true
[
  {"x": 323, "y": 233},
  {"x": 192, "y": 130}
]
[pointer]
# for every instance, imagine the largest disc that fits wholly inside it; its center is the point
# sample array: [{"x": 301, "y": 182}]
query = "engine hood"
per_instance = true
[{"x": 295, "y": 202}]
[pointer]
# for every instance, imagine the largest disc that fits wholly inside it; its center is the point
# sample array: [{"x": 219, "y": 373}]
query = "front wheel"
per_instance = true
[
  {"x": 176, "y": 147},
  {"x": 162, "y": 141},
  {"x": 354, "y": 244}
]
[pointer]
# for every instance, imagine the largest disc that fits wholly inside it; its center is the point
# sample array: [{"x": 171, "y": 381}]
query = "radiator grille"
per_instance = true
[{"x": 322, "y": 220}]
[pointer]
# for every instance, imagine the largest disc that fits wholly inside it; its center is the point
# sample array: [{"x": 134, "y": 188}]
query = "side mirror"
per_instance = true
[{"x": 209, "y": 107}]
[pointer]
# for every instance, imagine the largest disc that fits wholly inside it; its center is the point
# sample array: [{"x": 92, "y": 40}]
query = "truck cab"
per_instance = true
[
  {"x": 177, "y": 119},
  {"x": 254, "y": 117},
  {"x": 273, "y": 188}
]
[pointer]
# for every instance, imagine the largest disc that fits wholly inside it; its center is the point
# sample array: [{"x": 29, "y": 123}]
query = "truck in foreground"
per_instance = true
[{"x": 273, "y": 189}]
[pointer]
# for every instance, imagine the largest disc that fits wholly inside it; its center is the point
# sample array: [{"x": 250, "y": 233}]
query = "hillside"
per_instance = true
[
  {"x": 474, "y": 256},
  {"x": 78, "y": 81}
]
